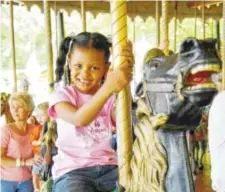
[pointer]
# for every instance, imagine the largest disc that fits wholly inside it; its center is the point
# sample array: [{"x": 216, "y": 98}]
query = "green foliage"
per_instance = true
[{"x": 29, "y": 35}]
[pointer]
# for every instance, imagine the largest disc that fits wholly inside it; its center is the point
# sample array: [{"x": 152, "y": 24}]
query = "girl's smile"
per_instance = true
[{"x": 88, "y": 67}]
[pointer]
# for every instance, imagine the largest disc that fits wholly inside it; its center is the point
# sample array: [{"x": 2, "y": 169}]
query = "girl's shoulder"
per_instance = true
[{"x": 66, "y": 92}]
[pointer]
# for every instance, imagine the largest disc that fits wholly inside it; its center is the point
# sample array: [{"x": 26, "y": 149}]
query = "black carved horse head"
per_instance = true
[{"x": 180, "y": 85}]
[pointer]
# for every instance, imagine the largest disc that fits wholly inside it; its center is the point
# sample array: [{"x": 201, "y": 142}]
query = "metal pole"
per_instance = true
[
  {"x": 83, "y": 15},
  {"x": 218, "y": 34},
  {"x": 13, "y": 45},
  {"x": 203, "y": 18},
  {"x": 223, "y": 53},
  {"x": 175, "y": 29},
  {"x": 195, "y": 28},
  {"x": 165, "y": 27},
  {"x": 212, "y": 25},
  {"x": 61, "y": 31},
  {"x": 56, "y": 29},
  {"x": 157, "y": 19},
  {"x": 133, "y": 22},
  {"x": 134, "y": 40},
  {"x": 123, "y": 101},
  {"x": 48, "y": 31}
]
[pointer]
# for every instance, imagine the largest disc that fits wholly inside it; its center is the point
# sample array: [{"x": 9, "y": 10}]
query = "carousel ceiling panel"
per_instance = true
[{"x": 144, "y": 9}]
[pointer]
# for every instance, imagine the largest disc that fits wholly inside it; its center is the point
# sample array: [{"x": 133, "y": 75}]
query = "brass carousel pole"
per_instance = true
[
  {"x": 165, "y": 26},
  {"x": 157, "y": 19},
  {"x": 123, "y": 101},
  {"x": 133, "y": 22},
  {"x": 195, "y": 27},
  {"x": 13, "y": 45},
  {"x": 83, "y": 15},
  {"x": 175, "y": 28},
  {"x": 223, "y": 53},
  {"x": 61, "y": 31},
  {"x": 212, "y": 25},
  {"x": 49, "y": 42},
  {"x": 56, "y": 28},
  {"x": 218, "y": 34},
  {"x": 203, "y": 18},
  {"x": 134, "y": 41}
]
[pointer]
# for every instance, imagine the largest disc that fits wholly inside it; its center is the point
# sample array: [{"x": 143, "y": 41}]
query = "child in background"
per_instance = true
[
  {"x": 48, "y": 150},
  {"x": 85, "y": 112},
  {"x": 32, "y": 120},
  {"x": 42, "y": 117}
]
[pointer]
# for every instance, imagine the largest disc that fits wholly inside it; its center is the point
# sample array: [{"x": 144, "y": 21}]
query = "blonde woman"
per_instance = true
[{"x": 16, "y": 150}]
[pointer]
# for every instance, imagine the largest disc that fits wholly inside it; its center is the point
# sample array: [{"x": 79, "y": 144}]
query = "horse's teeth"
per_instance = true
[
  {"x": 208, "y": 67},
  {"x": 202, "y": 86}
]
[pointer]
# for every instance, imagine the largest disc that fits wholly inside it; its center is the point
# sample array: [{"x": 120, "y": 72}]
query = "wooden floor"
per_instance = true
[{"x": 203, "y": 181}]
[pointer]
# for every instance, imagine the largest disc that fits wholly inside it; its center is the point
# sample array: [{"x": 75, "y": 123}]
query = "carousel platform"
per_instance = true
[{"x": 203, "y": 180}]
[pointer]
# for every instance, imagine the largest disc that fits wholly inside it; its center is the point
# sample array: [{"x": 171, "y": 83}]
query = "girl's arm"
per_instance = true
[{"x": 85, "y": 114}]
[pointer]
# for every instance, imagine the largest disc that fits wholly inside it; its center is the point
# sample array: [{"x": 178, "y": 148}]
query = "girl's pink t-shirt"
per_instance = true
[
  {"x": 80, "y": 147},
  {"x": 17, "y": 147}
]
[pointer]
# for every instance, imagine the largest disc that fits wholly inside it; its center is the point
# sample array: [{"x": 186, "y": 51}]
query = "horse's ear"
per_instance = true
[{"x": 188, "y": 44}]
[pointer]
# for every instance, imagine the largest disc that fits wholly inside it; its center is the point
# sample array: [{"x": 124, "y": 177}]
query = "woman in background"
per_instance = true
[{"x": 16, "y": 150}]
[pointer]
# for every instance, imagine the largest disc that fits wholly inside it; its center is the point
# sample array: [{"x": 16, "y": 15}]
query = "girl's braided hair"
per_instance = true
[{"x": 84, "y": 39}]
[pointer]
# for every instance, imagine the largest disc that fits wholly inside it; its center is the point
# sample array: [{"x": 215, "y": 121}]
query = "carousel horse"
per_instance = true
[
  {"x": 5, "y": 111},
  {"x": 48, "y": 150},
  {"x": 173, "y": 93}
]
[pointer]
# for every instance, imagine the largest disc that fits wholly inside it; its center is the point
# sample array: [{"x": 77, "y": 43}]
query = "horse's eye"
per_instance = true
[{"x": 156, "y": 65}]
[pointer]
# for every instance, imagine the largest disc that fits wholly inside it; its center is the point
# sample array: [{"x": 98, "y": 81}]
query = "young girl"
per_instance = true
[
  {"x": 42, "y": 118},
  {"x": 85, "y": 111}
]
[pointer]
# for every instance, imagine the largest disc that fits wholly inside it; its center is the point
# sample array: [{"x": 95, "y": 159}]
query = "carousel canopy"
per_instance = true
[{"x": 144, "y": 9}]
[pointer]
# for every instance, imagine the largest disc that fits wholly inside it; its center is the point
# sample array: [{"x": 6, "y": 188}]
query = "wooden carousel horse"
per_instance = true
[
  {"x": 48, "y": 150},
  {"x": 176, "y": 89}
]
